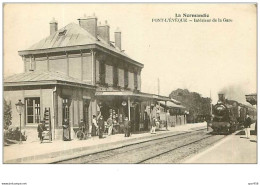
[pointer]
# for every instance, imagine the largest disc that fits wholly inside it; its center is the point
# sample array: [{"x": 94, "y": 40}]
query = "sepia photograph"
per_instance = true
[{"x": 129, "y": 83}]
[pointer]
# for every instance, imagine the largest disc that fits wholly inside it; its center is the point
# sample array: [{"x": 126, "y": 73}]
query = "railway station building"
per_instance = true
[{"x": 77, "y": 72}]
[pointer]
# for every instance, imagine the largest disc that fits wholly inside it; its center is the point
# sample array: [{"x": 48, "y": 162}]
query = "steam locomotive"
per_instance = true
[{"x": 229, "y": 115}]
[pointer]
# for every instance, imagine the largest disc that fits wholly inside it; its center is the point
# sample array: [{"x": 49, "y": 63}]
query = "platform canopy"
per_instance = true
[
  {"x": 171, "y": 104},
  {"x": 141, "y": 95},
  {"x": 175, "y": 101},
  {"x": 35, "y": 78}
]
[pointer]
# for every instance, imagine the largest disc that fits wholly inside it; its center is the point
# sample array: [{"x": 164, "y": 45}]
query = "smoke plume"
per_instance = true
[{"x": 235, "y": 92}]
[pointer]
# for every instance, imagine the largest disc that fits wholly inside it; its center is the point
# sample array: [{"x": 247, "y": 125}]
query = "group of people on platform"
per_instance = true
[
  {"x": 99, "y": 126},
  {"x": 156, "y": 122}
]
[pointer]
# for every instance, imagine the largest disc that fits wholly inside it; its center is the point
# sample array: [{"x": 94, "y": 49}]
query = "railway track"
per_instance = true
[
  {"x": 148, "y": 151},
  {"x": 170, "y": 150}
]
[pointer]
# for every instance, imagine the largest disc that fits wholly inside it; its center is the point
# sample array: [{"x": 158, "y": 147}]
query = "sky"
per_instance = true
[{"x": 204, "y": 57}]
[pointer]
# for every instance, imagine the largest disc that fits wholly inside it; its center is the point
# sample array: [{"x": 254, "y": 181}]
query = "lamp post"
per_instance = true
[{"x": 19, "y": 108}]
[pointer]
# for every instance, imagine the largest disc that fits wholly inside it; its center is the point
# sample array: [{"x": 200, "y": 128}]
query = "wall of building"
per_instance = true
[
  {"x": 97, "y": 70},
  {"x": 26, "y": 66},
  {"x": 109, "y": 74},
  {"x": 45, "y": 96},
  {"x": 139, "y": 81},
  {"x": 46, "y": 100},
  {"x": 130, "y": 80},
  {"x": 13, "y": 96},
  {"x": 120, "y": 77},
  {"x": 58, "y": 65},
  {"x": 77, "y": 97},
  {"x": 41, "y": 65},
  {"x": 87, "y": 68},
  {"x": 74, "y": 65}
]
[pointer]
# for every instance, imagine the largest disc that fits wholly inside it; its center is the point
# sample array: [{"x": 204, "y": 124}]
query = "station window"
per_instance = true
[
  {"x": 102, "y": 73},
  {"x": 115, "y": 76},
  {"x": 30, "y": 64},
  {"x": 126, "y": 78},
  {"x": 32, "y": 110}
]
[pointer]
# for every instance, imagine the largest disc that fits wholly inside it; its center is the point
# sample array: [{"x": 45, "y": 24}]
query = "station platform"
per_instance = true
[
  {"x": 50, "y": 152},
  {"x": 234, "y": 149}
]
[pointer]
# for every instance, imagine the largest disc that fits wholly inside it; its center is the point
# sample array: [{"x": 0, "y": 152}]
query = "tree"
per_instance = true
[
  {"x": 197, "y": 105},
  {"x": 7, "y": 114}
]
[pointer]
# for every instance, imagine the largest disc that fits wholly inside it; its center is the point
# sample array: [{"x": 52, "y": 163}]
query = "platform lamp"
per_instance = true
[
  {"x": 19, "y": 108},
  {"x": 186, "y": 113}
]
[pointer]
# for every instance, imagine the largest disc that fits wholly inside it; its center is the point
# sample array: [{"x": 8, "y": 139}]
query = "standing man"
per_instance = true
[
  {"x": 115, "y": 128},
  {"x": 40, "y": 129},
  {"x": 127, "y": 127},
  {"x": 110, "y": 124},
  {"x": 94, "y": 126},
  {"x": 247, "y": 125},
  {"x": 101, "y": 126}
]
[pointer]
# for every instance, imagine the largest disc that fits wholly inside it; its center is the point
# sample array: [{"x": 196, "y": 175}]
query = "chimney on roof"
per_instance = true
[
  {"x": 53, "y": 26},
  {"x": 89, "y": 23},
  {"x": 103, "y": 31},
  {"x": 118, "y": 39}
]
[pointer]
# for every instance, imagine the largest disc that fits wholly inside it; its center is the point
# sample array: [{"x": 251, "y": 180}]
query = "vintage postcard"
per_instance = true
[{"x": 144, "y": 83}]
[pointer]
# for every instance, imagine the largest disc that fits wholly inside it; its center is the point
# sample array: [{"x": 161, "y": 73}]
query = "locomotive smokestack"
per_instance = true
[{"x": 221, "y": 97}]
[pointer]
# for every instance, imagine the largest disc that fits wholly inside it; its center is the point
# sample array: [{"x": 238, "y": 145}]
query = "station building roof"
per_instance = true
[
  {"x": 43, "y": 78},
  {"x": 74, "y": 37}
]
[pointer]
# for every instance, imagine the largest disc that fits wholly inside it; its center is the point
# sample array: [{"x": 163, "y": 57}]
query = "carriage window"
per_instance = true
[{"x": 32, "y": 110}]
